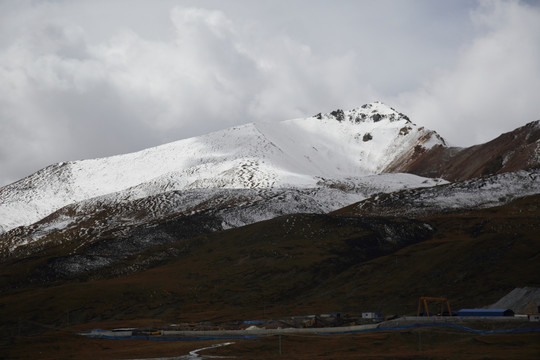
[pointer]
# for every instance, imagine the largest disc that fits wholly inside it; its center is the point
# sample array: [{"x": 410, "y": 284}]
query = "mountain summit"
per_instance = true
[{"x": 374, "y": 112}]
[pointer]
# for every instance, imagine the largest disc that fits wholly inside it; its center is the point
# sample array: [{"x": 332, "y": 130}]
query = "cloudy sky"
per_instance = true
[{"x": 85, "y": 79}]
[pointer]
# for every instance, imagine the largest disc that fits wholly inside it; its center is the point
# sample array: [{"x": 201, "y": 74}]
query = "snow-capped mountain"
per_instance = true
[
  {"x": 93, "y": 215},
  {"x": 296, "y": 153},
  {"x": 256, "y": 172}
]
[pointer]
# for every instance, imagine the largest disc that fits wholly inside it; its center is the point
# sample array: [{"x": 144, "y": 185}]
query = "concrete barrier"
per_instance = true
[{"x": 261, "y": 332}]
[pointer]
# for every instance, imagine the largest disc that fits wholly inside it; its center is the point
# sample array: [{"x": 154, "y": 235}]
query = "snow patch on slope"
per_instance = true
[{"x": 477, "y": 193}]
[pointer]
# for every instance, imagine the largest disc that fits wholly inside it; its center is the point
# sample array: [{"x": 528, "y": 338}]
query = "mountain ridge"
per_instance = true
[{"x": 512, "y": 151}]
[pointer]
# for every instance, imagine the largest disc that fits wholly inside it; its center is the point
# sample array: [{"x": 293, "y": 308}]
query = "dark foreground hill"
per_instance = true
[
  {"x": 292, "y": 265},
  {"x": 296, "y": 264}
]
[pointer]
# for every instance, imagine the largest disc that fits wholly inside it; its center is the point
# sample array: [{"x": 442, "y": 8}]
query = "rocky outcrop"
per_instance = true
[{"x": 374, "y": 112}]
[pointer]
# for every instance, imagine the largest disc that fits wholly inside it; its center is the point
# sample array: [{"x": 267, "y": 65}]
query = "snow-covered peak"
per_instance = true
[
  {"x": 372, "y": 112},
  {"x": 294, "y": 153}
]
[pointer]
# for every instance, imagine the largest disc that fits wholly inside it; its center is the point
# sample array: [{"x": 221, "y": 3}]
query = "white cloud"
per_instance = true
[
  {"x": 495, "y": 83},
  {"x": 89, "y": 99}
]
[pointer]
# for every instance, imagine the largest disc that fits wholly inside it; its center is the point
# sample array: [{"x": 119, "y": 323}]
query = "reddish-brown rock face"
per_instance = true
[{"x": 512, "y": 151}]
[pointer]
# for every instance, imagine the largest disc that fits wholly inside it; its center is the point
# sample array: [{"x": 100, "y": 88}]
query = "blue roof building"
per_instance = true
[{"x": 485, "y": 312}]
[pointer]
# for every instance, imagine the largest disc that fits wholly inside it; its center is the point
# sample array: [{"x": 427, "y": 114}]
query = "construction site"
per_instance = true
[
  {"x": 434, "y": 330},
  {"x": 431, "y": 312}
]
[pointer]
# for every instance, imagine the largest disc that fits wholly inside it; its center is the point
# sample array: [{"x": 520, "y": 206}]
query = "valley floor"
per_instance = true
[{"x": 426, "y": 342}]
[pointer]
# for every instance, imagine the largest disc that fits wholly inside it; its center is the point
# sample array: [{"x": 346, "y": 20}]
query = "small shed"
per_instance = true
[
  {"x": 371, "y": 315},
  {"x": 485, "y": 312}
]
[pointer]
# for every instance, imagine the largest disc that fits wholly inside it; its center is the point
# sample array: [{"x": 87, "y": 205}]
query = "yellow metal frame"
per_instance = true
[{"x": 423, "y": 300}]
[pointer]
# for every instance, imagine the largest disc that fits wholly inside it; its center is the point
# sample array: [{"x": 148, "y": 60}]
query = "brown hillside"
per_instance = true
[{"x": 512, "y": 151}]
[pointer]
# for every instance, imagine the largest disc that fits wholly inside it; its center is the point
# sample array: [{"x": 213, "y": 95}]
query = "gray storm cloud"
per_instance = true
[{"x": 84, "y": 79}]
